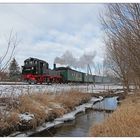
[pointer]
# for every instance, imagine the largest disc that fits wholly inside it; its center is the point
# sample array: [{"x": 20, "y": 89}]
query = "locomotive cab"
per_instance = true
[{"x": 34, "y": 66}]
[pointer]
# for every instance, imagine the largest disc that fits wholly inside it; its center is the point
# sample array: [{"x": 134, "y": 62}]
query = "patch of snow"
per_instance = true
[
  {"x": 48, "y": 125},
  {"x": 89, "y": 105},
  {"x": 119, "y": 91},
  {"x": 26, "y": 116},
  {"x": 130, "y": 93},
  {"x": 18, "y": 134},
  {"x": 94, "y": 99},
  {"x": 22, "y": 135},
  {"x": 55, "y": 105},
  {"x": 101, "y": 98},
  {"x": 66, "y": 117}
]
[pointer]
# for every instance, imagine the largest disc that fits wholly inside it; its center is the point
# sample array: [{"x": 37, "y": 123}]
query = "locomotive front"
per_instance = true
[
  {"x": 37, "y": 71},
  {"x": 34, "y": 70}
]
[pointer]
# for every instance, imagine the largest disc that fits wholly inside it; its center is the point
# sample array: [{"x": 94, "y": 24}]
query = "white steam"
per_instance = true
[{"x": 68, "y": 59}]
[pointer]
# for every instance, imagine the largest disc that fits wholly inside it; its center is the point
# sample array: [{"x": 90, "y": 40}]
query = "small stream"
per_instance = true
[{"x": 81, "y": 125}]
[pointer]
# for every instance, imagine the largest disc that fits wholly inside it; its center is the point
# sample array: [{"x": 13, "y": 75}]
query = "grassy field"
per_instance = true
[
  {"x": 124, "y": 122},
  {"x": 43, "y": 106}
]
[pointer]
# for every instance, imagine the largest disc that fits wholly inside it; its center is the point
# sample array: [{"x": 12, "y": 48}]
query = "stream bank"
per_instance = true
[
  {"x": 123, "y": 122},
  {"x": 79, "y": 127},
  {"x": 68, "y": 100}
]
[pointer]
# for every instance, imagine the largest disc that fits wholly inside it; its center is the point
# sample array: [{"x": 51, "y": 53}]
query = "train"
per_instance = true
[{"x": 37, "y": 71}]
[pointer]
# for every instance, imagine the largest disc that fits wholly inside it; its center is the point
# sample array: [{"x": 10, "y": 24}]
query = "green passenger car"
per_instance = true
[
  {"x": 70, "y": 75},
  {"x": 74, "y": 76},
  {"x": 88, "y": 78}
]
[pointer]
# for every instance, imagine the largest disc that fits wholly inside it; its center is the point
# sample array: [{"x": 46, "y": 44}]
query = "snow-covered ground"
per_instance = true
[{"x": 16, "y": 90}]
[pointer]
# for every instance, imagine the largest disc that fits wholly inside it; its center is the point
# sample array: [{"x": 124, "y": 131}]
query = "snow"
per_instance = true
[
  {"x": 16, "y": 90},
  {"x": 54, "y": 105},
  {"x": 131, "y": 93},
  {"x": 101, "y": 98},
  {"x": 18, "y": 134},
  {"x": 66, "y": 117},
  {"x": 96, "y": 99},
  {"x": 26, "y": 116}
]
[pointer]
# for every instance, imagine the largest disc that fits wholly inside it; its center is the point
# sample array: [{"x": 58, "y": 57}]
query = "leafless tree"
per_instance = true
[
  {"x": 12, "y": 43},
  {"x": 122, "y": 27}
]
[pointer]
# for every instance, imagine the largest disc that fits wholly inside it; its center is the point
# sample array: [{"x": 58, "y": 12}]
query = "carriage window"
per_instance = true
[
  {"x": 26, "y": 62},
  {"x": 31, "y": 62},
  {"x": 35, "y": 62}
]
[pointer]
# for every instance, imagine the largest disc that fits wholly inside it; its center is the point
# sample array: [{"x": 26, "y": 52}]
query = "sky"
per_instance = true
[{"x": 46, "y": 31}]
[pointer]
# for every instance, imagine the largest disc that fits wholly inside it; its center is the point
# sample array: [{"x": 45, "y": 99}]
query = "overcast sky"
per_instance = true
[{"x": 46, "y": 31}]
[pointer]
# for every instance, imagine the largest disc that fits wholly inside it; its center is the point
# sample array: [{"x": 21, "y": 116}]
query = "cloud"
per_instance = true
[{"x": 48, "y": 30}]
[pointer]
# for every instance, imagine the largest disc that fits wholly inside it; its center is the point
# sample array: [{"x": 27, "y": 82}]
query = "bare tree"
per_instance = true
[
  {"x": 5, "y": 58},
  {"x": 122, "y": 27}
]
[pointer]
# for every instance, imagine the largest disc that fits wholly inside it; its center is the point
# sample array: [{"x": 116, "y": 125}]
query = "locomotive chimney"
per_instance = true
[{"x": 54, "y": 66}]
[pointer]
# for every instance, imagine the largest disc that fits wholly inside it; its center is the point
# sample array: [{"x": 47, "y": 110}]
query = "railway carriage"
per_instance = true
[
  {"x": 88, "y": 78},
  {"x": 70, "y": 75},
  {"x": 107, "y": 80},
  {"x": 98, "y": 79}
]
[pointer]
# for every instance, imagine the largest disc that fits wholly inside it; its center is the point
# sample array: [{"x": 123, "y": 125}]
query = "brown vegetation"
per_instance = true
[
  {"x": 44, "y": 107},
  {"x": 123, "y": 122},
  {"x": 122, "y": 27}
]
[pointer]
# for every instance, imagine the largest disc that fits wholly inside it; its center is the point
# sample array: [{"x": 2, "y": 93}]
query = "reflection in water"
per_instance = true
[
  {"x": 108, "y": 103},
  {"x": 81, "y": 125}
]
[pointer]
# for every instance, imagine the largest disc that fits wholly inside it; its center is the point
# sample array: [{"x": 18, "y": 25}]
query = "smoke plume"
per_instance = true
[{"x": 68, "y": 59}]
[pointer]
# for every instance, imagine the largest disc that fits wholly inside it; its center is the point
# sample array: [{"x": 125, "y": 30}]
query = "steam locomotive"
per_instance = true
[{"x": 37, "y": 71}]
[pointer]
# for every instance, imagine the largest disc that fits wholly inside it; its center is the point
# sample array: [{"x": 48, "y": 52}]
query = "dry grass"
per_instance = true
[
  {"x": 71, "y": 99},
  {"x": 8, "y": 122},
  {"x": 28, "y": 104},
  {"x": 44, "y": 106},
  {"x": 125, "y": 121}
]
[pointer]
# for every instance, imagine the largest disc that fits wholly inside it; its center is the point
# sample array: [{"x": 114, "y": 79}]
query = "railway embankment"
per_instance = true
[
  {"x": 27, "y": 112},
  {"x": 124, "y": 121}
]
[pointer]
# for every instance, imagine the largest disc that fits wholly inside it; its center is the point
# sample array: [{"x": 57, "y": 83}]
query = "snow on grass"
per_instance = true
[
  {"x": 16, "y": 90},
  {"x": 26, "y": 116}
]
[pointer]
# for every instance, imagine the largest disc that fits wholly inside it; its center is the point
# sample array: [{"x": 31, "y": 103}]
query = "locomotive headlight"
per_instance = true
[{"x": 32, "y": 68}]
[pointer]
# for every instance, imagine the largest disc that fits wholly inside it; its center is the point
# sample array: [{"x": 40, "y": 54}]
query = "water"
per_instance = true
[
  {"x": 107, "y": 103},
  {"x": 81, "y": 125}
]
